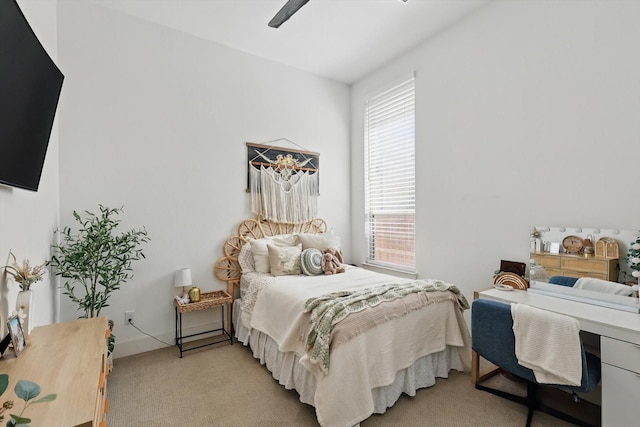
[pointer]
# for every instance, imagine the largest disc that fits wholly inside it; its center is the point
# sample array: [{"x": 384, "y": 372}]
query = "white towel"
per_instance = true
[
  {"x": 548, "y": 343},
  {"x": 603, "y": 286}
]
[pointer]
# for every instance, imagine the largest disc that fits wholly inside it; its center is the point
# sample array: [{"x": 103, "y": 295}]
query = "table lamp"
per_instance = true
[{"x": 183, "y": 279}]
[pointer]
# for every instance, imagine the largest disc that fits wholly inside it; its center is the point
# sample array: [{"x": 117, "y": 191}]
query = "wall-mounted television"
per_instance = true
[{"x": 30, "y": 85}]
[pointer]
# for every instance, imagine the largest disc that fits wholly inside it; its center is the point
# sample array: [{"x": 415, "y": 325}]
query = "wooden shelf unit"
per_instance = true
[
  {"x": 68, "y": 359},
  {"x": 577, "y": 265}
]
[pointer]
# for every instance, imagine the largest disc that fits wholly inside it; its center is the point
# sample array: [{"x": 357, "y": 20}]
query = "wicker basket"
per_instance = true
[
  {"x": 607, "y": 247},
  {"x": 207, "y": 300}
]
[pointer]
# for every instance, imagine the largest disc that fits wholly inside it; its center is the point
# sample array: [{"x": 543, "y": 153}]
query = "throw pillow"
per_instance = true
[
  {"x": 319, "y": 241},
  {"x": 311, "y": 261},
  {"x": 261, "y": 254},
  {"x": 284, "y": 260},
  {"x": 245, "y": 259}
]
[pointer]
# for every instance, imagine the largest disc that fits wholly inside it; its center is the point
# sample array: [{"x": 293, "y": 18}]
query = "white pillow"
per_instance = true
[
  {"x": 245, "y": 259},
  {"x": 319, "y": 241},
  {"x": 261, "y": 254},
  {"x": 284, "y": 260}
]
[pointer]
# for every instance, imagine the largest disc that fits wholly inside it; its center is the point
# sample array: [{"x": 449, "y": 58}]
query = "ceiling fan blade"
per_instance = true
[{"x": 289, "y": 8}]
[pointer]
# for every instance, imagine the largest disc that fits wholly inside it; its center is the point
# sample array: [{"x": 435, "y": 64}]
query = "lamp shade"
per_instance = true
[{"x": 183, "y": 278}]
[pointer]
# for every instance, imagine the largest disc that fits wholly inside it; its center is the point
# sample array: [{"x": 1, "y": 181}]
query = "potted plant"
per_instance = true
[{"x": 96, "y": 260}]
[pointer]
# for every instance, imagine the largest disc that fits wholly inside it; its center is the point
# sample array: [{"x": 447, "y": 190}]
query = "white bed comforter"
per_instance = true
[{"x": 370, "y": 359}]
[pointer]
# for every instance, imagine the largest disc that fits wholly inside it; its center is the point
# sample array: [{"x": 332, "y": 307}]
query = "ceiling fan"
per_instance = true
[
  {"x": 287, "y": 11},
  {"x": 289, "y": 8}
]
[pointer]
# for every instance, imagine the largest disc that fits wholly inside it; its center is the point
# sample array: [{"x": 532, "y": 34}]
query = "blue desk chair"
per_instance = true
[
  {"x": 563, "y": 281},
  {"x": 492, "y": 338}
]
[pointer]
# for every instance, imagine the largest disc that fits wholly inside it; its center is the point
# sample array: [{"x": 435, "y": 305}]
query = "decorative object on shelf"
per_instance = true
[
  {"x": 633, "y": 259},
  {"x": 194, "y": 294},
  {"x": 517, "y": 267},
  {"x": 535, "y": 240},
  {"x": 607, "y": 247},
  {"x": 572, "y": 244},
  {"x": 17, "y": 334},
  {"x": 25, "y": 275},
  {"x": 283, "y": 183},
  {"x": 22, "y": 316},
  {"x": 511, "y": 279},
  {"x": 24, "y": 304},
  {"x": 511, "y": 274},
  {"x": 587, "y": 243},
  {"x": 25, "y": 390},
  {"x": 182, "y": 279}
]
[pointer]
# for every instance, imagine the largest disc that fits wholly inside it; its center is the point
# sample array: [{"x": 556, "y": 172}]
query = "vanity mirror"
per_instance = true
[{"x": 596, "y": 276}]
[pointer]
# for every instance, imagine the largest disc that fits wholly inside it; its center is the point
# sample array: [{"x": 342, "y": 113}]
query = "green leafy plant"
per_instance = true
[
  {"x": 633, "y": 258},
  {"x": 97, "y": 259},
  {"x": 27, "y": 391}
]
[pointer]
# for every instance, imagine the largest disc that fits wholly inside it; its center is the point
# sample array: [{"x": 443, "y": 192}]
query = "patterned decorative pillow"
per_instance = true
[
  {"x": 245, "y": 259},
  {"x": 311, "y": 261},
  {"x": 284, "y": 260}
]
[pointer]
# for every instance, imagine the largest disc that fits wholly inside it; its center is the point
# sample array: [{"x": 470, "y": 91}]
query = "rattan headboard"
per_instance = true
[{"x": 228, "y": 269}]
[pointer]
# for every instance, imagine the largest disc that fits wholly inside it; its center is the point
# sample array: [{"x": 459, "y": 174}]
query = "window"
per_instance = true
[{"x": 390, "y": 177}]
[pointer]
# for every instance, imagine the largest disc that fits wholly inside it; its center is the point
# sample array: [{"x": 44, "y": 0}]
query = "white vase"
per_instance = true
[
  {"x": 538, "y": 244},
  {"x": 25, "y": 302}
]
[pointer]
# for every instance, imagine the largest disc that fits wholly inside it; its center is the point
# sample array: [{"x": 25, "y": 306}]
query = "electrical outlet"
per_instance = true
[{"x": 129, "y": 317}]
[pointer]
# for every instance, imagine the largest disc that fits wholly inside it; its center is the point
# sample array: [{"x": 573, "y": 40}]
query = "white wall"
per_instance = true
[
  {"x": 157, "y": 120},
  {"x": 27, "y": 219},
  {"x": 527, "y": 113}
]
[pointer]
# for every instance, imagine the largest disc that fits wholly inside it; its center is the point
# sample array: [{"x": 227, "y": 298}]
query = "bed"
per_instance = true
[{"x": 349, "y": 343}]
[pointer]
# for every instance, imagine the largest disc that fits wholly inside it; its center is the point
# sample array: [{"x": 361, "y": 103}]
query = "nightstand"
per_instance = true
[{"x": 207, "y": 300}]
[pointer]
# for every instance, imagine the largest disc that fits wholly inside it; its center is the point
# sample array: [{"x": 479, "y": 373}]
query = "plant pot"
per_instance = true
[{"x": 24, "y": 301}]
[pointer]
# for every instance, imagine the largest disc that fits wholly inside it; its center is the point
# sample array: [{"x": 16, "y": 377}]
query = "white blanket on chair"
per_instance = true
[{"x": 549, "y": 344}]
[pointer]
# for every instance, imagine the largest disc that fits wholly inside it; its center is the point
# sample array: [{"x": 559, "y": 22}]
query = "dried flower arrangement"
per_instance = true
[{"x": 25, "y": 275}]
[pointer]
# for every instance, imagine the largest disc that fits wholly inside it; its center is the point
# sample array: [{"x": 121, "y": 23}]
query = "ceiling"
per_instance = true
[{"x": 339, "y": 39}]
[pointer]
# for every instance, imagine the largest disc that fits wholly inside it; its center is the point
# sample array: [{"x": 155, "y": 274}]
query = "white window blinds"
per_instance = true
[{"x": 390, "y": 177}]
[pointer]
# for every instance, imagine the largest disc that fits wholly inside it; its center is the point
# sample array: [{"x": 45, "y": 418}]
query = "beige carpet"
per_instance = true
[{"x": 225, "y": 386}]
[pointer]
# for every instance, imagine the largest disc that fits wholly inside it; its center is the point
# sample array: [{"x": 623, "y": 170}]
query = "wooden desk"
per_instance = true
[
  {"x": 619, "y": 333},
  {"x": 67, "y": 359}
]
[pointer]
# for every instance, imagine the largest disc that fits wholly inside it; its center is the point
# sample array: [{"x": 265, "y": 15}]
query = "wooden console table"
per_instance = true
[
  {"x": 577, "y": 265},
  {"x": 67, "y": 359}
]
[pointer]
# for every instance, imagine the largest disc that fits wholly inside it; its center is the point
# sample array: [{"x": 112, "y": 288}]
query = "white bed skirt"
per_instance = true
[{"x": 292, "y": 375}]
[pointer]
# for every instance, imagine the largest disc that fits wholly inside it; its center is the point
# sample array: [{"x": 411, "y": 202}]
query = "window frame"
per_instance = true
[{"x": 389, "y": 120}]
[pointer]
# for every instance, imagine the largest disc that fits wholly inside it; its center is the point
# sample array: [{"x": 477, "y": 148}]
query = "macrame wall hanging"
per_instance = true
[{"x": 283, "y": 183}]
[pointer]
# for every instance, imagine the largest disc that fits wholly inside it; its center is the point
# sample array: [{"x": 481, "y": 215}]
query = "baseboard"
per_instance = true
[{"x": 146, "y": 343}]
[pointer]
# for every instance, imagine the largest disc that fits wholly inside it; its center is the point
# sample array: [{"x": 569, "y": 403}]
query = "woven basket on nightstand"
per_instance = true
[{"x": 207, "y": 300}]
